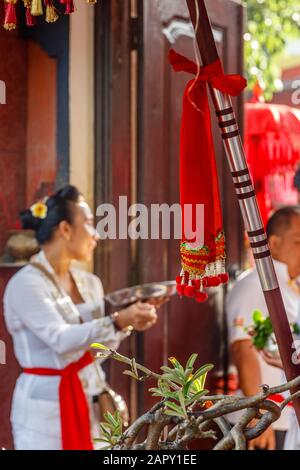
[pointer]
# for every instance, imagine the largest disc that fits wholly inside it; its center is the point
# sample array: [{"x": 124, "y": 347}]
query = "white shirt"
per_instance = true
[
  {"x": 47, "y": 332},
  {"x": 247, "y": 296},
  {"x": 292, "y": 440}
]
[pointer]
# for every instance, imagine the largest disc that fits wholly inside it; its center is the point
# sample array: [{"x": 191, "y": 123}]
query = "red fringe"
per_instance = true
[
  {"x": 30, "y": 20},
  {"x": 10, "y": 21},
  {"x": 70, "y": 6}
]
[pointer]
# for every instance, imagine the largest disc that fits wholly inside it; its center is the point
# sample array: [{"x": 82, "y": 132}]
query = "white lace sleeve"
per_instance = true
[{"x": 29, "y": 299}]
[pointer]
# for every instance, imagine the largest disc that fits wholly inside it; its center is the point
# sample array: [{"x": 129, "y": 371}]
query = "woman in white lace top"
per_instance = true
[{"x": 54, "y": 312}]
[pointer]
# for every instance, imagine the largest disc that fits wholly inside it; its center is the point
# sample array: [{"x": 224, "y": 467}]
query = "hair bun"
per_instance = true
[
  {"x": 45, "y": 216},
  {"x": 29, "y": 222}
]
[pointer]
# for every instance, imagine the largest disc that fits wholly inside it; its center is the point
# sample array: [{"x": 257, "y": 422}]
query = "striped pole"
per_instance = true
[{"x": 247, "y": 199}]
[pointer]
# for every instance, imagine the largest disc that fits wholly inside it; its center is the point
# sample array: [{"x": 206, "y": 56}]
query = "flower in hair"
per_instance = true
[{"x": 39, "y": 210}]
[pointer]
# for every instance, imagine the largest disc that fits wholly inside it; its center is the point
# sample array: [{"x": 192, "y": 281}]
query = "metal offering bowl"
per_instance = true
[{"x": 156, "y": 292}]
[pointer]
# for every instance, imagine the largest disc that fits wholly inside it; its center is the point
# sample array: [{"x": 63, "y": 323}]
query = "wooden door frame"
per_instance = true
[{"x": 115, "y": 36}]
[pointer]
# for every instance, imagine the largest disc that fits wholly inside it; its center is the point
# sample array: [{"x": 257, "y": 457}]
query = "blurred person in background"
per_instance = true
[
  {"x": 54, "y": 312},
  {"x": 283, "y": 232}
]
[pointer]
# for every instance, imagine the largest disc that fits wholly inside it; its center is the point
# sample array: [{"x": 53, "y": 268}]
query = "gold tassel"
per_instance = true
[
  {"x": 91, "y": 1},
  {"x": 36, "y": 8},
  {"x": 51, "y": 14}
]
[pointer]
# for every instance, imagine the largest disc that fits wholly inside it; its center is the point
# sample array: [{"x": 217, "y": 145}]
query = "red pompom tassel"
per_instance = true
[
  {"x": 224, "y": 278},
  {"x": 213, "y": 281},
  {"x": 180, "y": 289},
  {"x": 209, "y": 281},
  {"x": 201, "y": 297},
  {"x": 189, "y": 291},
  {"x": 179, "y": 279}
]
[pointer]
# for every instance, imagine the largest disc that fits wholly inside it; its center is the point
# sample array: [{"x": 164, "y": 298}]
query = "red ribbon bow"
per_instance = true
[
  {"x": 74, "y": 412},
  {"x": 212, "y": 74}
]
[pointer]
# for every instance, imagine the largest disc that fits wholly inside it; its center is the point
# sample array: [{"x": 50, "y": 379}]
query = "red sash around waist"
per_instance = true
[
  {"x": 74, "y": 411},
  {"x": 278, "y": 398}
]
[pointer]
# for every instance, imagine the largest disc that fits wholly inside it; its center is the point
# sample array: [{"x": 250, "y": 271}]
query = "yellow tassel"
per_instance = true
[
  {"x": 51, "y": 14},
  {"x": 36, "y": 8},
  {"x": 91, "y": 1},
  {"x": 27, "y": 3}
]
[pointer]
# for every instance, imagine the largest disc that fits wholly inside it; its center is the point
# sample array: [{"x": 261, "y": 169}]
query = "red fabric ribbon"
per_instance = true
[
  {"x": 277, "y": 398},
  {"x": 74, "y": 411},
  {"x": 213, "y": 74},
  {"x": 202, "y": 265}
]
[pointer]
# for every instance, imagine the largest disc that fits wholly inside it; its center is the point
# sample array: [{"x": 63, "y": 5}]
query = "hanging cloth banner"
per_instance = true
[
  {"x": 203, "y": 264},
  {"x": 35, "y": 8}
]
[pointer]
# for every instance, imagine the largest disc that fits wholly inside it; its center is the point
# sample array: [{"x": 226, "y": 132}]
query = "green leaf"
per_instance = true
[
  {"x": 172, "y": 395},
  {"x": 110, "y": 419},
  {"x": 176, "y": 364},
  {"x": 202, "y": 371},
  {"x": 258, "y": 317},
  {"x": 188, "y": 372},
  {"x": 196, "y": 397},
  {"x": 296, "y": 328},
  {"x": 166, "y": 369},
  {"x": 163, "y": 384},
  {"x": 197, "y": 385},
  {"x": 182, "y": 402},
  {"x": 99, "y": 346},
  {"x": 180, "y": 375},
  {"x": 105, "y": 432},
  {"x": 156, "y": 392},
  {"x": 173, "y": 413},
  {"x": 198, "y": 379},
  {"x": 191, "y": 361},
  {"x": 175, "y": 408},
  {"x": 106, "y": 426},
  {"x": 99, "y": 439},
  {"x": 172, "y": 378}
]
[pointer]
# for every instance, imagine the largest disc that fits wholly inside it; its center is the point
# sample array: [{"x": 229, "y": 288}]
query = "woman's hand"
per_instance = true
[
  {"x": 141, "y": 316},
  {"x": 272, "y": 360},
  {"x": 157, "y": 302}
]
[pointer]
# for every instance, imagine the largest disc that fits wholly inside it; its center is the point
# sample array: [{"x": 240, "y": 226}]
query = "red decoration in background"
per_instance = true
[
  {"x": 70, "y": 7},
  {"x": 10, "y": 19},
  {"x": 272, "y": 144},
  {"x": 204, "y": 265},
  {"x": 30, "y": 20},
  {"x": 35, "y": 8}
]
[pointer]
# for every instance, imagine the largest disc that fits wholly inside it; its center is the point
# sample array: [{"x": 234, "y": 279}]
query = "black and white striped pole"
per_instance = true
[{"x": 246, "y": 196}]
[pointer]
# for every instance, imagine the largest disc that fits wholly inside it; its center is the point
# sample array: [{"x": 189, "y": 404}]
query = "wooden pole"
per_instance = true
[{"x": 247, "y": 199}]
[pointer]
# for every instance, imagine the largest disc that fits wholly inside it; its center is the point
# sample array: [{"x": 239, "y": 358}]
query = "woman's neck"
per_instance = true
[{"x": 58, "y": 259}]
